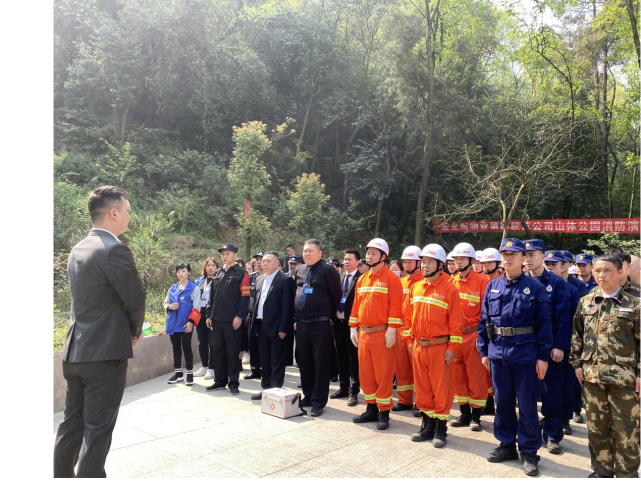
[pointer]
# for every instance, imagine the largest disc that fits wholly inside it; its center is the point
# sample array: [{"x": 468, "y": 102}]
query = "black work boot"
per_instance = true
[
  {"x": 475, "y": 423},
  {"x": 369, "y": 416},
  {"x": 440, "y": 433},
  {"x": 529, "y": 464},
  {"x": 416, "y": 411},
  {"x": 382, "y": 421},
  {"x": 488, "y": 409},
  {"x": 426, "y": 433},
  {"x": 465, "y": 417},
  {"x": 399, "y": 406}
]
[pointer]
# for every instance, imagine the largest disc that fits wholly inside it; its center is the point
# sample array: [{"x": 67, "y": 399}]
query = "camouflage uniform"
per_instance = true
[
  {"x": 605, "y": 343},
  {"x": 632, "y": 288}
]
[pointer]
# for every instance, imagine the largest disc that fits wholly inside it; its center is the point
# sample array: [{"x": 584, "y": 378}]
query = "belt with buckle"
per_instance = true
[
  {"x": 370, "y": 329},
  {"x": 513, "y": 331},
  {"x": 433, "y": 342},
  {"x": 467, "y": 330},
  {"x": 315, "y": 319}
]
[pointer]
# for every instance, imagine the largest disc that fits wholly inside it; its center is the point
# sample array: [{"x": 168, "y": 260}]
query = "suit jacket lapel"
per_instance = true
[
  {"x": 274, "y": 281},
  {"x": 352, "y": 283}
]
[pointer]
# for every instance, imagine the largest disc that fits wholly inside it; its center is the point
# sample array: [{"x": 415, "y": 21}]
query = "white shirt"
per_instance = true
[
  {"x": 267, "y": 282},
  {"x": 105, "y": 230},
  {"x": 605, "y": 296}
]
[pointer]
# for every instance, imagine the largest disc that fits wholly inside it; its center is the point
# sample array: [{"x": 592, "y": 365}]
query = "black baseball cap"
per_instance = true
[
  {"x": 295, "y": 258},
  {"x": 259, "y": 254},
  {"x": 228, "y": 247}
]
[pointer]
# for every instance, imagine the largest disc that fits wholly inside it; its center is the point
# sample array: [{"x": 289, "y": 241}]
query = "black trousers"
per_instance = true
[
  {"x": 181, "y": 343},
  {"x": 314, "y": 355},
  {"x": 226, "y": 343},
  {"x": 272, "y": 358},
  {"x": 333, "y": 370},
  {"x": 94, "y": 392},
  {"x": 202, "y": 331},
  {"x": 347, "y": 357},
  {"x": 254, "y": 351},
  {"x": 289, "y": 347}
]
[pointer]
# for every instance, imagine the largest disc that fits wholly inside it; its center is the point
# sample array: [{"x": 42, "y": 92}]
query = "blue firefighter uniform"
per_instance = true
[
  {"x": 553, "y": 386},
  {"x": 177, "y": 319},
  {"x": 579, "y": 284},
  {"x": 524, "y": 304}
]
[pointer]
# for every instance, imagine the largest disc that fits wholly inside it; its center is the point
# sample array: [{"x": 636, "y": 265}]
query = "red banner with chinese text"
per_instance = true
[{"x": 572, "y": 226}]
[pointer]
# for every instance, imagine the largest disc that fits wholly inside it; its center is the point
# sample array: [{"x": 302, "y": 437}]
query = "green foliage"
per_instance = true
[
  {"x": 247, "y": 175},
  {"x": 254, "y": 227},
  {"x": 307, "y": 203},
  {"x": 609, "y": 240}
]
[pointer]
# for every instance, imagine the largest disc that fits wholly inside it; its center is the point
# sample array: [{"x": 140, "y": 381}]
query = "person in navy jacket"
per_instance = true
[
  {"x": 183, "y": 313},
  {"x": 515, "y": 338}
]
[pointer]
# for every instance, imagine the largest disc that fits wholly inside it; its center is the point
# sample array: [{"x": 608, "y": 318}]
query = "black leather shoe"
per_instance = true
[
  {"x": 333, "y": 379},
  {"x": 578, "y": 418},
  {"x": 252, "y": 375},
  {"x": 553, "y": 447},
  {"x": 416, "y": 412},
  {"x": 567, "y": 429},
  {"x": 341, "y": 393},
  {"x": 597, "y": 475},
  {"x": 257, "y": 396},
  {"x": 305, "y": 403},
  {"x": 352, "y": 400},
  {"x": 501, "y": 454},
  {"x": 529, "y": 464},
  {"x": 215, "y": 387},
  {"x": 317, "y": 412},
  {"x": 399, "y": 406}
]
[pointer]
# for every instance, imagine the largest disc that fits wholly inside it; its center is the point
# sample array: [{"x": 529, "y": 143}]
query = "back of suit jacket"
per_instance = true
[
  {"x": 278, "y": 308},
  {"x": 107, "y": 300}
]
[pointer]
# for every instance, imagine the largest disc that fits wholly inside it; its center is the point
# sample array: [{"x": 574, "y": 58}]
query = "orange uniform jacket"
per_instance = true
[
  {"x": 434, "y": 310},
  {"x": 378, "y": 300},
  {"x": 471, "y": 291},
  {"x": 408, "y": 282}
]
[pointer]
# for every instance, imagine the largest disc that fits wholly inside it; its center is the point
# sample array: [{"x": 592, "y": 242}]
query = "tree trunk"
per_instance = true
[
  {"x": 635, "y": 33},
  {"x": 302, "y": 131},
  {"x": 315, "y": 153},
  {"x": 379, "y": 208},
  {"x": 634, "y": 175},
  {"x": 123, "y": 123},
  {"x": 427, "y": 147},
  {"x": 507, "y": 219},
  {"x": 406, "y": 211},
  {"x": 248, "y": 248}
]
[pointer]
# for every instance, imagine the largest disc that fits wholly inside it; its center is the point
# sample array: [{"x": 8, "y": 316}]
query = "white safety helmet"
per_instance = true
[
  {"x": 491, "y": 255},
  {"x": 479, "y": 255},
  {"x": 573, "y": 270},
  {"x": 434, "y": 251},
  {"x": 464, "y": 250},
  {"x": 450, "y": 257},
  {"x": 379, "y": 244},
  {"x": 411, "y": 253}
]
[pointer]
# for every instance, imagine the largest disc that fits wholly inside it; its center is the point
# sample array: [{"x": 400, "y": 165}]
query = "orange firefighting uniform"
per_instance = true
[
  {"x": 470, "y": 376},
  {"x": 433, "y": 311},
  {"x": 404, "y": 372},
  {"x": 378, "y": 301}
]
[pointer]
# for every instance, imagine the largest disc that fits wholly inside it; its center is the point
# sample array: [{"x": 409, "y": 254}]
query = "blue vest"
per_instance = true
[{"x": 177, "y": 319}]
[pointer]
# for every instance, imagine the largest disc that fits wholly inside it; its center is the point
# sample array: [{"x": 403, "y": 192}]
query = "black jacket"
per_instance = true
[
  {"x": 229, "y": 294},
  {"x": 326, "y": 284},
  {"x": 351, "y": 291},
  {"x": 278, "y": 308}
]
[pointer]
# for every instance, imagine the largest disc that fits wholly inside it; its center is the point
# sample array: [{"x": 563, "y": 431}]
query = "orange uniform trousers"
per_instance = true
[
  {"x": 470, "y": 385},
  {"x": 490, "y": 387},
  {"x": 404, "y": 371},
  {"x": 376, "y": 365},
  {"x": 432, "y": 381}
]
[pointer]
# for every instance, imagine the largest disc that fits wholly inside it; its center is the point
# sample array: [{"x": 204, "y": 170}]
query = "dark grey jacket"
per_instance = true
[{"x": 107, "y": 300}]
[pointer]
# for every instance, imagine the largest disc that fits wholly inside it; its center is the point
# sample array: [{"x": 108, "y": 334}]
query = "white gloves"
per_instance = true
[
  {"x": 353, "y": 335},
  {"x": 390, "y": 337}
]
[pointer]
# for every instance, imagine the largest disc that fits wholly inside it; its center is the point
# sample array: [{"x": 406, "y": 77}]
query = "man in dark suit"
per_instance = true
[
  {"x": 347, "y": 352},
  {"x": 272, "y": 320},
  {"x": 107, "y": 312}
]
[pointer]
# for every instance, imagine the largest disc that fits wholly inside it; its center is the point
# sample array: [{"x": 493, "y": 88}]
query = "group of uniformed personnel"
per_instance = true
[
  {"x": 503, "y": 327},
  {"x": 518, "y": 314}
]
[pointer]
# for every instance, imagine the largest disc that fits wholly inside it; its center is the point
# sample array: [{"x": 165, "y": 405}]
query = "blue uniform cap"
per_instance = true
[
  {"x": 534, "y": 245},
  {"x": 584, "y": 258},
  {"x": 259, "y": 254},
  {"x": 511, "y": 244},
  {"x": 554, "y": 256},
  {"x": 295, "y": 258},
  {"x": 567, "y": 256},
  {"x": 333, "y": 261},
  {"x": 228, "y": 247}
]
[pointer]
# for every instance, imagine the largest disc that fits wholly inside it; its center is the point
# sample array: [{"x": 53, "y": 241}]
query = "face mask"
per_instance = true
[{"x": 398, "y": 274}]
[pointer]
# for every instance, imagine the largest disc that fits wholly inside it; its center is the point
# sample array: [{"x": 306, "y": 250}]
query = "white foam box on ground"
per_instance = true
[{"x": 279, "y": 402}]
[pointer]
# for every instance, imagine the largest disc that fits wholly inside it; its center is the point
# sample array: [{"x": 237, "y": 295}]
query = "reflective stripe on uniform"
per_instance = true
[
  {"x": 442, "y": 417},
  {"x": 458, "y": 339},
  {"x": 469, "y": 297},
  {"x": 429, "y": 300},
  {"x": 394, "y": 321},
  {"x": 406, "y": 333},
  {"x": 367, "y": 289},
  {"x": 408, "y": 387},
  {"x": 478, "y": 402},
  {"x": 429, "y": 413},
  {"x": 369, "y": 397},
  {"x": 384, "y": 401},
  {"x": 461, "y": 399}
]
